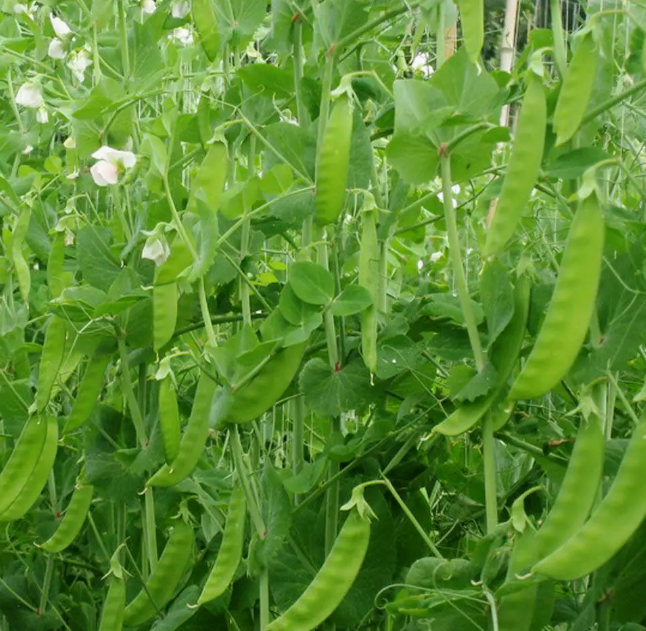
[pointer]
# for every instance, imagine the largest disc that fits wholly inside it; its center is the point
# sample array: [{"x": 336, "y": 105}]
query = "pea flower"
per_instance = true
[
  {"x": 56, "y": 49},
  {"x": 156, "y": 250},
  {"x": 148, "y": 6},
  {"x": 182, "y": 35},
  {"x": 30, "y": 95},
  {"x": 106, "y": 171},
  {"x": 41, "y": 115},
  {"x": 180, "y": 9},
  {"x": 78, "y": 63},
  {"x": 60, "y": 27}
]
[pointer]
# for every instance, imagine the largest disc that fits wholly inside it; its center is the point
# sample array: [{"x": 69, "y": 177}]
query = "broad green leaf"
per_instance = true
[
  {"x": 239, "y": 19},
  {"x": 294, "y": 310},
  {"x": 311, "y": 282},
  {"x": 268, "y": 80},
  {"x": 353, "y": 299},
  {"x": 96, "y": 263},
  {"x": 207, "y": 27},
  {"x": 497, "y": 298},
  {"x": 395, "y": 355}
]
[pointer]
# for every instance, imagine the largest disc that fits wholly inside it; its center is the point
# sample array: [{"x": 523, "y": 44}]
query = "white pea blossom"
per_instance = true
[
  {"x": 27, "y": 150},
  {"x": 155, "y": 250},
  {"x": 69, "y": 143},
  {"x": 60, "y": 27},
  {"x": 180, "y": 9},
  {"x": 20, "y": 8},
  {"x": 436, "y": 256},
  {"x": 41, "y": 115},
  {"x": 148, "y": 6},
  {"x": 422, "y": 63},
  {"x": 30, "y": 94},
  {"x": 78, "y": 63},
  {"x": 56, "y": 49},
  {"x": 182, "y": 35},
  {"x": 106, "y": 171}
]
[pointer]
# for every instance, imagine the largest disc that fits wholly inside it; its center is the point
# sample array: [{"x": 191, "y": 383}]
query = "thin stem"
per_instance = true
[
  {"x": 297, "y": 51},
  {"x": 14, "y": 107},
  {"x": 123, "y": 31},
  {"x": 615, "y": 100},
  {"x": 131, "y": 399},
  {"x": 559, "y": 39},
  {"x": 151, "y": 528},
  {"x": 206, "y": 316},
  {"x": 456, "y": 259},
  {"x": 440, "y": 45},
  {"x": 298, "y": 438},
  {"x": 623, "y": 398},
  {"x": 489, "y": 457}
]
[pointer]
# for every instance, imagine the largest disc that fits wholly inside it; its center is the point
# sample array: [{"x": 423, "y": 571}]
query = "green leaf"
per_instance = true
[
  {"x": 448, "y": 306},
  {"x": 154, "y": 147},
  {"x": 295, "y": 310},
  {"x": 239, "y": 19},
  {"x": 311, "y": 282},
  {"x": 497, "y": 298},
  {"x": 95, "y": 261},
  {"x": 276, "y": 511},
  {"x": 146, "y": 62},
  {"x": 573, "y": 164},
  {"x": 395, "y": 355},
  {"x": 267, "y": 80},
  {"x": 353, "y": 299}
]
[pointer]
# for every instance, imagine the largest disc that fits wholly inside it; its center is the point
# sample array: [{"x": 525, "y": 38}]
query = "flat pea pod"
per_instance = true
[
  {"x": 164, "y": 314},
  {"x": 333, "y": 163},
  {"x": 523, "y": 168},
  {"x": 207, "y": 27},
  {"x": 472, "y": 23},
  {"x": 113, "y": 610},
  {"x": 73, "y": 521},
  {"x": 503, "y": 355},
  {"x": 20, "y": 265},
  {"x": 230, "y": 551},
  {"x": 50, "y": 361},
  {"x": 570, "y": 309},
  {"x": 164, "y": 579},
  {"x": 57, "y": 279},
  {"x": 259, "y": 394},
  {"x": 38, "y": 479},
  {"x": 333, "y": 581},
  {"x": 578, "y": 490},
  {"x": 576, "y": 89},
  {"x": 370, "y": 279},
  {"x": 22, "y": 461},
  {"x": 612, "y": 523},
  {"x": 88, "y": 392},
  {"x": 193, "y": 440},
  {"x": 169, "y": 418}
]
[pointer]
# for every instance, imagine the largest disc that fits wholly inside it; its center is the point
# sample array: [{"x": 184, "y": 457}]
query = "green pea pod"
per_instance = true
[
  {"x": 57, "y": 279},
  {"x": 164, "y": 314},
  {"x": 523, "y": 168},
  {"x": 169, "y": 418},
  {"x": 194, "y": 438},
  {"x": 73, "y": 521},
  {"x": 114, "y": 606},
  {"x": 230, "y": 551},
  {"x": 576, "y": 90},
  {"x": 259, "y": 394},
  {"x": 22, "y": 461},
  {"x": 503, "y": 355},
  {"x": 472, "y": 22},
  {"x": 50, "y": 361},
  {"x": 38, "y": 479},
  {"x": 570, "y": 310},
  {"x": 333, "y": 163},
  {"x": 579, "y": 489},
  {"x": 89, "y": 391},
  {"x": 612, "y": 523},
  {"x": 333, "y": 581},
  {"x": 20, "y": 265},
  {"x": 369, "y": 278},
  {"x": 207, "y": 27},
  {"x": 164, "y": 579}
]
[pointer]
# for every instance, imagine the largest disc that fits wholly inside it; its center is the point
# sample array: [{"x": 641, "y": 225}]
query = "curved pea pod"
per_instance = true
[
  {"x": 57, "y": 279},
  {"x": 207, "y": 27},
  {"x": 114, "y": 606},
  {"x": 503, "y": 355},
  {"x": 194, "y": 438},
  {"x": 164, "y": 579},
  {"x": 38, "y": 478},
  {"x": 369, "y": 278},
  {"x": 230, "y": 551},
  {"x": 50, "y": 361},
  {"x": 164, "y": 314},
  {"x": 576, "y": 90},
  {"x": 472, "y": 23},
  {"x": 20, "y": 265},
  {"x": 169, "y": 418},
  {"x": 578, "y": 490},
  {"x": 259, "y": 394},
  {"x": 612, "y": 523},
  {"x": 73, "y": 521},
  {"x": 88, "y": 393},
  {"x": 22, "y": 462},
  {"x": 523, "y": 168},
  {"x": 333, "y": 581},
  {"x": 333, "y": 163},
  {"x": 569, "y": 312}
]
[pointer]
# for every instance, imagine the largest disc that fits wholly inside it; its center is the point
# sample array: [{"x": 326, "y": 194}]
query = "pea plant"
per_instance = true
[{"x": 322, "y": 314}]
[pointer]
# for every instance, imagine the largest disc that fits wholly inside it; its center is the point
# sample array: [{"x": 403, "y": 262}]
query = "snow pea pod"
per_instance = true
[
  {"x": 576, "y": 89},
  {"x": 333, "y": 581},
  {"x": 88, "y": 392},
  {"x": 114, "y": 606},
  {"x": 57, "y": 279},
  {"x": 230, "y": 551},
  {"x": 50, "y": 361},
  {"x": 570, "y": 309},
  {"x": 524, "y": 165},
  {"x": 164, "y": 314},
  {"x": 612, "y": 523},
  {"x": 333, "y": 163},
  {"x": 38, "y": 477},
  {"x": 578, "y": 490},
  {"x": 503, "y": 355},
  {"x": 73, "y": 521},
  {"x": 22, "y": 461},
  {"x": 164, "y": 579},
  {"x": 472, "y": 23},
  {"x": 370, "y": 279},
  {"x": 19, "y": 263},
  {"x": 169, "y": 418}
]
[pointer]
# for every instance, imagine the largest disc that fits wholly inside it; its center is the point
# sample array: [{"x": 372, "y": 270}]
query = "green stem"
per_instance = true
[
  {"x": 489, "y": 457},
  {"x": 123, "y": 31},
  {"x": 559, "y": 39},
  {"x": 623, "y": 398},
  {"x": 440, "y": 44},
  {"x": 151, "y": 528},
  {"x": 206, "y": 316},
  {"x": 297, "y": 51},
  {"x": 131, "y": 399},
  {"x": 615, "y": 100},
  {"x": 118, "y": 207},
  {"x": 456, "y": 259},
  {"x": 96, "y": 71},
  {"x": 298, "y": 438},
  {"x": 47, "y": 582},
  {"x": 14, "y": 107}
]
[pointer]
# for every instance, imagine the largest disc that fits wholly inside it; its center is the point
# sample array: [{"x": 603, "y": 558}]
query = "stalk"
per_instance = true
[
  {"x": 559, "y": 39},
  {"x": 298, "y": 438},
  {"x": 489, "y": 457}
]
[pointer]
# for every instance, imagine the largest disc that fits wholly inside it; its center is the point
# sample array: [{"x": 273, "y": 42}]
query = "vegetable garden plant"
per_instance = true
[{"x": 322, "y": 314}]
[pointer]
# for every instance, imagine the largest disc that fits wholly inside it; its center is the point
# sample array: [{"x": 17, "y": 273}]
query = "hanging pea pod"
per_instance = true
[
  {"x": 164, "y": 314},
  {"x": 169, "y": 418},
  {"x": 73, "y": 521},
  {"x": 207, "y": 27},
  {"x": 50, "y": 361},
  {"x": 114, "y": 606},
  {"x": 370, "y": 279},
  {"x": 230, "y": 551},
  {"x": 472, "y": 22},
  {"x": 88, "y": 392},
  {"x": 19, "y": 263},
  {"x": 523, "y": 168},
  {"x": 57, "y": 279},
  {"x": 570, "y": 309},
  {"x": 37, "y": 480},
  {"x": 333, "y": 163}
]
